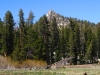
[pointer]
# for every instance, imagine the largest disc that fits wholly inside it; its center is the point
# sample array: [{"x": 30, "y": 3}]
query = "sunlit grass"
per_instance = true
[
  {"x": 29, "y": 73},
  {"x": 60, "y": 71}
]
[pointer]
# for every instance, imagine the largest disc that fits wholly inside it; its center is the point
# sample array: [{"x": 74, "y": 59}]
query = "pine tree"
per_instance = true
[
  {"x": 63, "y": 41},
  {"x": 94, "y": 46},
  {"x": 82, "y": 43},
  {"x": 9, "y": 22},
  {"x": 22, "y": 32},
  {"x": 89, "y": 52},
  {"x": 1, "y": 26},
  {"x": 1, "y": 35},
  {"x": 55, "y": 40},
  {"x": 98, "y": 41},
  {"x": 77, "y": 42},
  {"x": 31, "y": 36},
  {"x": 71, "y": 44},
  {"x": 3, "y": 50},
  {"x": 86, "y": 26},
  {"x": 44, "y": 32},
  {"x": 89, "y": 44},
  {"x": 66, "y": 37},
  {"x": 75, "y": 37},
  {"x": 30, "y": 18},
  {"x": 16, "y": 51}
]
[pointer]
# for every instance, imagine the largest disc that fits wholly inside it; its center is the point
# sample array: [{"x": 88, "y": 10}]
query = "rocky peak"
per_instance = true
[
  {"x": 51, "y": 14},
  {"x": 61, "y": 20}
]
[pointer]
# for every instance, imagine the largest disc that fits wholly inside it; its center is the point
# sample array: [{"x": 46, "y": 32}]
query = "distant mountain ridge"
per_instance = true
[{"x": 61, "y": 20}]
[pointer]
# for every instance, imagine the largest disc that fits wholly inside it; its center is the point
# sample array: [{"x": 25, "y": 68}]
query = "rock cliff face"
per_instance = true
[{"x": 61, "y": 20}]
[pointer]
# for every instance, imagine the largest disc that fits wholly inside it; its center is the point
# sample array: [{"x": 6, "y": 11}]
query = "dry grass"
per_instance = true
[
  {"x": 24, "y": 64},
  {"x": 28, "y": 64},
  {"x": 3, "y": 62}
]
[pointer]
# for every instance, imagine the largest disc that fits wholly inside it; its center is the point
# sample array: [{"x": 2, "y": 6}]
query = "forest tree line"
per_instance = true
[{"x": 44, "y": 40}]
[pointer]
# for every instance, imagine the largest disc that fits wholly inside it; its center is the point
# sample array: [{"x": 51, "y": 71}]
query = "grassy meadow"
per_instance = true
[
  {"x": 90, "y": 69},
  {"x": 95, "y": 70}
]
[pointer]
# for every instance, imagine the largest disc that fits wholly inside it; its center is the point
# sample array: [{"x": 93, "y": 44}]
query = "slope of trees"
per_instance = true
[{"x": 44, "y": 40}]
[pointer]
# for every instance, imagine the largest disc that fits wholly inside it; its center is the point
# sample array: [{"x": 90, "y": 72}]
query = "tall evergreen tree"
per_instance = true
[
  {"x": 88, "y": 44},
  {"x": 98, "y": 41},
  {"x": 71, "y": 44},
  {"x": 22, "y": 32},
  {"x": 77, "y": 42},
  {"x": 1, "y": 26},
  {"x": 1, "y": 35},
  {"x": 30, "y": 18},
  {"x": 9, "y": 22},
  {"x": 94, "y": 50},
  {"x": 66, "y": 36},
  {"x": 31, "y": 36},
  {"x": 63, "y": 40},
  {"x": 55, "y": 40},
  {"x": 44, "y": 32},
  {"x": 74, "y": 37},
  {"x": 16, "y": 51},
  {"x": 88, "y": 55}
]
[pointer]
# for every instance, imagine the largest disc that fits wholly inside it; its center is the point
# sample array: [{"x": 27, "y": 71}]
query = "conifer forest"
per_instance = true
[{"x": 46, "y": 40}]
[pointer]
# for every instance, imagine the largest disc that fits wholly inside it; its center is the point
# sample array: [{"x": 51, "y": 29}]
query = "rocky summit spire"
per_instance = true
[
  {"x": 61, "y": 20},
  {"x": 51, "y": 14}
]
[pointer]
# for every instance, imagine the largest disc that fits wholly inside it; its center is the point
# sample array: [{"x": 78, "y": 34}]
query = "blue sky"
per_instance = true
[{"x": 81, "y": 9}]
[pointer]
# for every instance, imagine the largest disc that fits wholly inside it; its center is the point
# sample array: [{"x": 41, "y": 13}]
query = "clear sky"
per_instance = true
[{"x": 81, "y": 9}]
